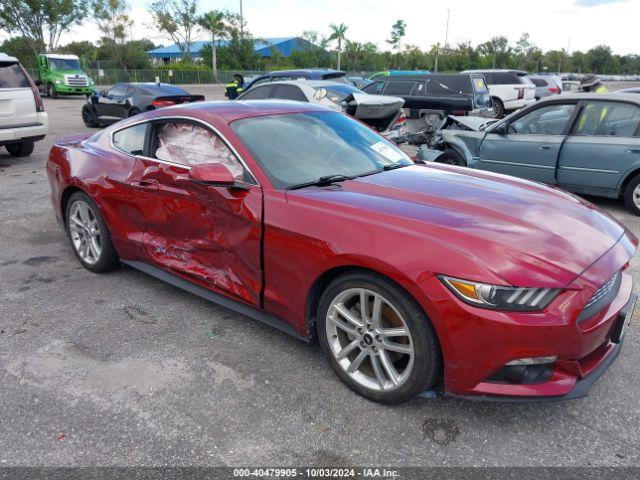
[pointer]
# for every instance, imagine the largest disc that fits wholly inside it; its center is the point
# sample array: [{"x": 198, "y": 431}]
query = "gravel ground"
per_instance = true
[{"x": 121, "y": 369}]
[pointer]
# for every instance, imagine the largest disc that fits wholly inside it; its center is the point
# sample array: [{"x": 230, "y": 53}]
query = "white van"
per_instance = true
[
  {"x": 23, "y": 120},
  {"x": 509, "y": 89}
]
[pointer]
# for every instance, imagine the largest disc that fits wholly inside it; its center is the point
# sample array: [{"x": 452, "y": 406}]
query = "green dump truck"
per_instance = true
[{"x": 63, "y": 75}]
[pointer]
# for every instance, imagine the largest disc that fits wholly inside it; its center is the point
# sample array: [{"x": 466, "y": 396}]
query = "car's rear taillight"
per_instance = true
[
  {"x": 554, "y": 90},
  {"x": 158, "y": 103},
  {"x": 34, "y": 88},
  {"x": 520, "y": 93},
  {"x": 459, "y": 113}
]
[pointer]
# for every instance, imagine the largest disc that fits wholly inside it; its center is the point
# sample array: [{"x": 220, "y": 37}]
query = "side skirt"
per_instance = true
[{"x": 227, "y": 302}]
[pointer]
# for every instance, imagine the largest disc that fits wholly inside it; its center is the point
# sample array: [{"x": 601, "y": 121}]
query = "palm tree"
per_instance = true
[
  {"x": 337, "y": 33},
  {"x": 213, "y": 22}
]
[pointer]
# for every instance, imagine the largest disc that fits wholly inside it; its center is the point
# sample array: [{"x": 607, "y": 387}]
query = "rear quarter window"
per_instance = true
[
  {"x": 12, "y": 76},
  {"x": 538, "y": 82}
]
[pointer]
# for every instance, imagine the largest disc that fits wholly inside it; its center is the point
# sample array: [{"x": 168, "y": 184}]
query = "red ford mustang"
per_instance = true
[{"x": 413, "y": 278}]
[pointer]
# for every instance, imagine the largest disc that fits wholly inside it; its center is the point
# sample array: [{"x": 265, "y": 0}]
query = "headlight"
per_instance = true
[
  {"x": 58, "y": 81},
  {"x": 497, "y": 297}
]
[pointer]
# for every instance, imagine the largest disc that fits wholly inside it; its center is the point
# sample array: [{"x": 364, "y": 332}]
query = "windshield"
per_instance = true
[
  {"x": 302, "y": 147},
  {"x": 64, "y": 64},
  {"x": 337, "y": 93}
]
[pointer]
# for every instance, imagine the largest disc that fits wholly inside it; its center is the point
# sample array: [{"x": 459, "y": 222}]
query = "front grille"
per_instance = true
[
  {"x": 76, "y": 80},
  {"x": 602, "y": 297}
]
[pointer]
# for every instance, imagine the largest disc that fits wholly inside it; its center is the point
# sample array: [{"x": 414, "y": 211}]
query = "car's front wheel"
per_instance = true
[
  {"x": 89, "y": 235},
  {"x": 451, "y": 157},
  {"x": 90, "y": 116},
  {"x": 497, "y": 108},
  {"x": 51, "y": 91},
  {"x": 377, "y": 338}
]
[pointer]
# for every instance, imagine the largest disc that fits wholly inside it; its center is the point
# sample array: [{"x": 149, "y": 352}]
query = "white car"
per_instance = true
[
  {"x": 382, "y": 112},
  {"x": 510, "y": 90},
  {"x": 23, "y": 120}
]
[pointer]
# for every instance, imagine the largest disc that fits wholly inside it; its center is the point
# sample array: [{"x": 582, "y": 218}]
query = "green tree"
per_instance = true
[
  {"x": 214, "y": 23},
  {"x": 338, "y": 33},
  {"x": 178, "y": 19},
  {"x": 84, "y": 50},
  {"x": 111, "y": 17},
  {"x": 398, "y": 31},
  {"x": 20, "y": 48},
  {"x": 41, "y": 22}
]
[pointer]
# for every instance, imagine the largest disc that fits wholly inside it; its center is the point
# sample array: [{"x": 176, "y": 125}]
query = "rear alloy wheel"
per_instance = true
[
  {"x": 632, "y": 195},
  {"x": 89, "y": 116},
  {"x": 497, "y": 108},
  {"x": 451, "y": 157},
  {"x": 134, "y": 111},
  {"x": 23, "y": 149},
  {"x": 89, "y": 235},
  {"x": 377, "y": 339}
]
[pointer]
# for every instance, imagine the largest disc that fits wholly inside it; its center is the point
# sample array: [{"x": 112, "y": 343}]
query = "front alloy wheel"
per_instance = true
[
  {"x": 369, "y": 339},
  {"x": 377, "y": 338}
]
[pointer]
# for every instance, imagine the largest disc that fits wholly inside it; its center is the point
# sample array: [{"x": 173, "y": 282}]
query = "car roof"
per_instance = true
[
  {"x": 430, "y": 76},
  {"x": 311, "y": 83},
  {"x": 61, "y": 56},
  {"x": 627, "y": 97},
  {"x": 319, "y": 71},
  {"x": 223, "y": 112},
  {"x": 6, "y": 58},
  {"x": 491, "y": 70}
]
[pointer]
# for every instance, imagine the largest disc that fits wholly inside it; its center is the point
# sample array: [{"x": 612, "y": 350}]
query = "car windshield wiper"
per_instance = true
[
  {"x": 326, "y": 180},
  {"x": 393, "y": 166}
]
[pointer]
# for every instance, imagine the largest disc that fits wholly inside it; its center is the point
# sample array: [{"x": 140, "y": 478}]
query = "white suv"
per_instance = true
[
  {"x": 23, "y": 120},
  {"x": 509, "y": 90}
]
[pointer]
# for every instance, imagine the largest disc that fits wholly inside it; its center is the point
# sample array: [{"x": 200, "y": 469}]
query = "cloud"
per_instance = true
[{"x": 595, "y": 3}]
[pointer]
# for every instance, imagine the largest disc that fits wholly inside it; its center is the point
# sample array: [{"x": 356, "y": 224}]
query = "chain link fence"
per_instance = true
[{"x": 177, "y": 77}]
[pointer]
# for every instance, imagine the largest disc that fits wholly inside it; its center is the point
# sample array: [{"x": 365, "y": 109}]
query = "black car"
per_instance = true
[
  {"x": 443, "y": 94},
  {"x": 127, "y": 99},
  {"x": 304, "y": 74}
]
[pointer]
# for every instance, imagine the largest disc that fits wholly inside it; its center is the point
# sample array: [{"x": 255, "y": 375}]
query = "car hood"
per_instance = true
[
  {"x": 525, "y": 233},
  {"x": 375, "y": 106},
  {"x": 472, "y": 122}
]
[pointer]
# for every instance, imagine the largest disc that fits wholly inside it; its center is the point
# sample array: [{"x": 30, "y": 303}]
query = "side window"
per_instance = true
[
  {"x": 257, "y": 93},
  {"x": 548, "y": 120},
  {"x": 130, "y": 92},
  {"x": 611, "y": 119},
  {"x": 539, "y": 82},
  {"x": 189, "y": 144},
  {"x": 289, "y": 92},
  {"x": 398, "y": 88},
  {"x": 131, "y": 140}
]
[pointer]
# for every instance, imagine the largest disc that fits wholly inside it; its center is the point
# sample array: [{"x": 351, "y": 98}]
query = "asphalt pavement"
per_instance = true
[{"x": 122, "y": 369}]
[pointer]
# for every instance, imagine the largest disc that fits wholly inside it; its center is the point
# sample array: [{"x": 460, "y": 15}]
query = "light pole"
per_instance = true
[
  {"x": 446, "y": 34},
  {"x": 241, "y": 22}
]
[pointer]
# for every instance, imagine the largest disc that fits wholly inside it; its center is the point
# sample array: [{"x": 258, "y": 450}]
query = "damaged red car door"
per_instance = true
[{"x": 210, "y": 234}]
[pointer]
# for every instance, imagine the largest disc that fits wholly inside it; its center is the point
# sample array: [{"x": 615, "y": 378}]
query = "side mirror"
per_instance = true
[
  {"x": 500, "y": 129},
  {"x": 215, "y": 174}
]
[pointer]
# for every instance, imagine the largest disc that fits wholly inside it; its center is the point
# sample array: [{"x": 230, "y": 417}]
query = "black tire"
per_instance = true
[
  {"x": 23, "y": 149},
  {"x": 426, "y": 369},
  {"x": 108, "y": 258},
  {"x": 451, "y": 157},
  {"x": 90, "y": 116},
  {"x": 134, "y": 111},
  {"x": 628, "y": 195},
  {"x": 497, "y": 108},
  {"x": 51, "y": 91}
]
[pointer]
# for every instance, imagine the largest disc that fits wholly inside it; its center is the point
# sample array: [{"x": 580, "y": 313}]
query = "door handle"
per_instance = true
[
  {"x": 544, "y": 147},
  {"x": 145, "y": 185}
]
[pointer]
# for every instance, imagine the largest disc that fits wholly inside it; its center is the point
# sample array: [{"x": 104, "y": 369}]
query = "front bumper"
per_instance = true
[
  {"x": 477, "y": 343},
  {"x": 68, "y": 90}
]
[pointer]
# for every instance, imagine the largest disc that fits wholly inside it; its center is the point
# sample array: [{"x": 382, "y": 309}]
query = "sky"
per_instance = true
[{"x": 551, "y": 24}]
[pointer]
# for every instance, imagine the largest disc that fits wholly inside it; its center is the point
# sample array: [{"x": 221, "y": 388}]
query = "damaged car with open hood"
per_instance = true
[{"x": 381, "y": 112}]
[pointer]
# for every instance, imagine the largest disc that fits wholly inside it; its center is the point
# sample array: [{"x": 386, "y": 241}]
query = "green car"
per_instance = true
[
  {"x": 63, "y": 75},
  {"x": 588, "y": 143}
]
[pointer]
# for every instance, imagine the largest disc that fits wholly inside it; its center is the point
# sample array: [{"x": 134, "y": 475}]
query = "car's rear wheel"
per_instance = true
[
  {"x": 377, "y": 338},
  {"x": 632, "y": 195},
  {"x": 497, "y": 107},
  {"x": 451, "y": 157},
  {"x": 90, "y": 116},
  {"x": 89, "y": 235},
  {"x": 134, "y": 111},
  {"x": 22, "y": 149}
]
